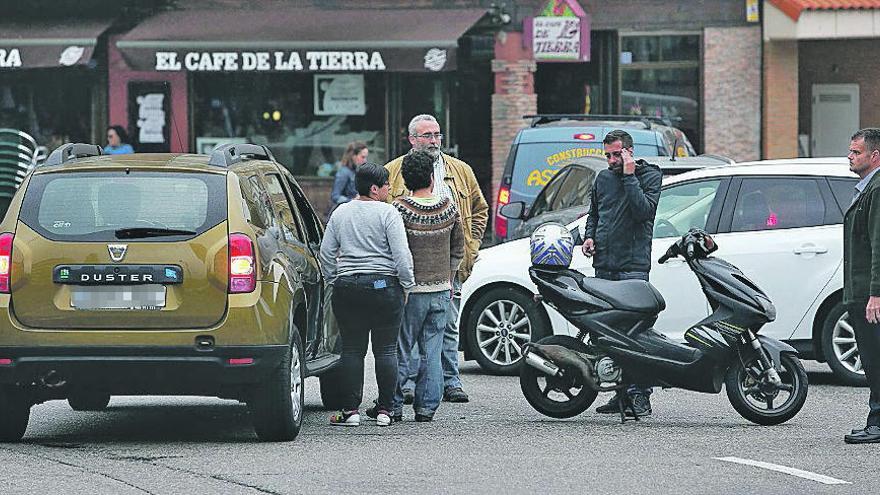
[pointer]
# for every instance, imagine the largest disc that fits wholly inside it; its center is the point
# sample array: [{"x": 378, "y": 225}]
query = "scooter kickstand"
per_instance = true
[{"x": 622, "y": 404}]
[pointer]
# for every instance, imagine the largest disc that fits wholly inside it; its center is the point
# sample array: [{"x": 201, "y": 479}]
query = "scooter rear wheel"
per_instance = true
[
  {"x": 762, "y": 404},
  {"x": 562, "y": 397}
]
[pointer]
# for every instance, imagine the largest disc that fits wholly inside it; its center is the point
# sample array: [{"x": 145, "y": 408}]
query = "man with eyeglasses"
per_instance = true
[
  {"x": 453, "y": 179},
  {"x": 620, "y": 225}
]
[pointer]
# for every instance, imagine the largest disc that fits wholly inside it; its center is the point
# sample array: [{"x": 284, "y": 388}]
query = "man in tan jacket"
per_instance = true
[{"x": 454, "y": 179}]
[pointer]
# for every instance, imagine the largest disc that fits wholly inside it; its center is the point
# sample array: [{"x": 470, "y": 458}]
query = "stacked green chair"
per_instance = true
[{"x": 18, "y": 155}]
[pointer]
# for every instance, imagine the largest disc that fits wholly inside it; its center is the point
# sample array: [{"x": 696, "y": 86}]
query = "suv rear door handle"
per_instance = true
[{"x": 810, "y": 249}]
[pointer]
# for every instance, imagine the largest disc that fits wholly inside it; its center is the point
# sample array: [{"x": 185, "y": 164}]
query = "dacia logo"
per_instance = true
[{"x": 117, "y": 251}]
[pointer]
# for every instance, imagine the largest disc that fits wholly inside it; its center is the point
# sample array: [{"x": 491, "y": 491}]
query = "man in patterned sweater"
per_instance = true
[{"x": 433, "y": 229}]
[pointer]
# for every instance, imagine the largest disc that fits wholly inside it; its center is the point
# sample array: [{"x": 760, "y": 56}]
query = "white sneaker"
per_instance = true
[
  {"x": 346, "y": 418},
  {"x": 383, "y": 419}
]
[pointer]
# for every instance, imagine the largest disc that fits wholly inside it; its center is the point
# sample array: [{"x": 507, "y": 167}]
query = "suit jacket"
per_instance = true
[
  {"x": 861, "y": 246},
  {"x": 469, "y": 200}
]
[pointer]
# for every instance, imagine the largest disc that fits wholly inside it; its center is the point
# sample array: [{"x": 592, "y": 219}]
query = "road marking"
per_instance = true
[{"x": 820, "y": 478}]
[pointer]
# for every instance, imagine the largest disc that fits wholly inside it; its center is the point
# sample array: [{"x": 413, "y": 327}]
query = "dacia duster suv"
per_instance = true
[{"x": 162, "y": 274}]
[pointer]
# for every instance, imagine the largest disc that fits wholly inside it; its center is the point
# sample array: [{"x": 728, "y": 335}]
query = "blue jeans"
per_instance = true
[
  {"x": 606, "y": 275},
  {"x": 450, "y": 348},
  {"x": 424, "y": 321}
]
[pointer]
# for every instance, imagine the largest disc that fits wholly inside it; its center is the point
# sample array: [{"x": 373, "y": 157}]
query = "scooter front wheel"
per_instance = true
[
  {"x": 761, "y": 402},
  {"x": 557, "y": 397}
]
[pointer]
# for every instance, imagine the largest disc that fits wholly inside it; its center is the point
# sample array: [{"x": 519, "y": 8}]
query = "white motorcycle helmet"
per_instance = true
[{"x": 552, "y": 245}]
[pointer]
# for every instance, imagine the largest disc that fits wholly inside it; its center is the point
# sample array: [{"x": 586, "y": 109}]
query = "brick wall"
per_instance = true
[
  {"x": 732, "y": 92},
  {"x": 839, "y": 62},
  {"x": 514, "y": 97},
  {"x": 780, "y": 118}
]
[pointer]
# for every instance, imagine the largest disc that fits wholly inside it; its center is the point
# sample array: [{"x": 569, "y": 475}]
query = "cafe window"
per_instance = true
[
  {"x": 53, "y": 110},
  {"x": 306, "y": 120},
  {"x": 660, "y": 76}
]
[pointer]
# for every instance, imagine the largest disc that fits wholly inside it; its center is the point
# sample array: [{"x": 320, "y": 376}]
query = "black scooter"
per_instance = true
[{"x": 616, "y": 344}]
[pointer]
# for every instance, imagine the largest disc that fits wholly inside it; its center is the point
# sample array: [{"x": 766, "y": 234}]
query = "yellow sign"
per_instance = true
[
  {"x": 540, "y": 177},
  {"x": 753, "y": 14}
]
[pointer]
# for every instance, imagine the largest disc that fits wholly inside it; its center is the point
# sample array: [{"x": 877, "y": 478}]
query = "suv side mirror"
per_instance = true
[{"x": 514, "y": 210}]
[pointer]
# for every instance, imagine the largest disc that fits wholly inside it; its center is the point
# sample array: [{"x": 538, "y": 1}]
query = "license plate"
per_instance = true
[{"x": 126, "y": 297}]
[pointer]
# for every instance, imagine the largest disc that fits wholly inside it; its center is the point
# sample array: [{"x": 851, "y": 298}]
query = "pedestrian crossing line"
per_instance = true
[{"x": 819, "y": 478}]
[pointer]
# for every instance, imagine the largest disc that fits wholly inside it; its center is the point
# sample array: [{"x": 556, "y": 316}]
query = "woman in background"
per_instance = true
[
  {"x": 117, "y": 141},
  {"x": 343, "y": 187}
]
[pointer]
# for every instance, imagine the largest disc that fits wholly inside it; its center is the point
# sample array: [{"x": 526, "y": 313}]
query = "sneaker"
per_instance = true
[
  {"x": 610, "y": 407},
  {"x": 374, "y": 413},
  {"x": 455, "y": 394},
  {"x": 641, "y": 404},
  {"x": 408, "y": 396},
  {"x": 424, "y": 418},
  {"x": 346, "y": 418},
  {"x": 383, "y": 418}
]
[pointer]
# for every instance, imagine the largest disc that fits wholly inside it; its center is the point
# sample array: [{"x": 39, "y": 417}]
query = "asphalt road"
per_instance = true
[{"x": 494, "y": 444}]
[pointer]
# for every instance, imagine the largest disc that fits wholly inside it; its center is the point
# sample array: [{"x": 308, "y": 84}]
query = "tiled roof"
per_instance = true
[{"x": 793, "y": 8}]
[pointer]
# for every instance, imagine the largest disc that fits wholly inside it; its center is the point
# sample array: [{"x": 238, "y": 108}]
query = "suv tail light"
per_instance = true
[
  {"x": 5, "y": 261},
  {"x": 242, "y": 265},
  {"x": 500, "y": 221}
]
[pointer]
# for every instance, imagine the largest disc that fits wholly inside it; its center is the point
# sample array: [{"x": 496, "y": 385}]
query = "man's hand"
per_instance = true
[
  {"x": 588, "y": 248},
  {"x": 872, "y": 310},
  {"x": 629, "y": 165}
]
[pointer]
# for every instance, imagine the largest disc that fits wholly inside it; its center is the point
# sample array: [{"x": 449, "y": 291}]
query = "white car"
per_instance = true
[{"x": 779, "y": 221}]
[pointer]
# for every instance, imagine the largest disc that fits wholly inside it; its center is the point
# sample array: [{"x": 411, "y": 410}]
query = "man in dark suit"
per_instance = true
[{"x": 861, "y": 270}]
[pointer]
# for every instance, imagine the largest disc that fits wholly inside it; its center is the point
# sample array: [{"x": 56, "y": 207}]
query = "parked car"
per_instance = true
[
  {"x": 567, "y": 195},
  {"x": 553, "y": 141},
  {"x": 162, "y": 274},
  {"x": 779, "y": 221}
]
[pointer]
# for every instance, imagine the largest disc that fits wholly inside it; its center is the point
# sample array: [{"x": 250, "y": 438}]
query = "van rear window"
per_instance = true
[
  {"x": 91, "y": 206},
  {"x": 537, "y": 163}
]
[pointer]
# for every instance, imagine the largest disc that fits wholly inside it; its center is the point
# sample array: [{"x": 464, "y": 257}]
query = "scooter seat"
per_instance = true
[{"x": 627, "y": 295}]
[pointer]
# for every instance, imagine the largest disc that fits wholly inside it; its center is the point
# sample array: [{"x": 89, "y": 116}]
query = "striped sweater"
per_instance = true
[{"x": 435, "y": 240}]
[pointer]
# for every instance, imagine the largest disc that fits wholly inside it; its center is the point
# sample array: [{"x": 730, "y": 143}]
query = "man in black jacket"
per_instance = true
[
  {"x": 619, "y": 229},
  {"x": 861, "y": 270}
]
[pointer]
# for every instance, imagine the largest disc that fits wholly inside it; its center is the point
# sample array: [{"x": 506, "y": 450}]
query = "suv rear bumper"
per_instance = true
[{"x": 51, "y": 371}]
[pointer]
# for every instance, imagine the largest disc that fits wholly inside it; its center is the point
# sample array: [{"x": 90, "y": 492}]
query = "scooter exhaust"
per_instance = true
[
  {"x": 548, "y": 358},
  {"x": 544, "y": 366}
]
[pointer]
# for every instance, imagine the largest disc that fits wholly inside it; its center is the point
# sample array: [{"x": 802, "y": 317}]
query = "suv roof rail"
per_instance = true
[
  {"x": 232, "y": 153},
  {"x": 544, "y": 118},
  {"x": 73, "y": 151},
  {"x": 722, "y": 158}
]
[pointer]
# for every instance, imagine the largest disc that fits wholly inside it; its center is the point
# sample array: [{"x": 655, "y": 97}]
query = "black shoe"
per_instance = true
[
  {"x": 408, "y": 396},
  {"x": 610, "y": 407},
  {"x": 870, "y": 434},
  {"x": 455, "y": 394},
  {"x": 641, "y": 404},
  {"x": 424, "y": 418},
  {"x": 373, "y": 413}
]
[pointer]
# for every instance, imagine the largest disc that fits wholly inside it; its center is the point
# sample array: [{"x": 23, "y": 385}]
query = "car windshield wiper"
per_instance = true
[{"x": 138, "y": 232}]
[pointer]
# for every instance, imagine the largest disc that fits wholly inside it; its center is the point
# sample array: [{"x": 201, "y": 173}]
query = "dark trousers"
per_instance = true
[
  {"x": 368, "y": 307},
  {"x": 606, "y": 275},
  {"x": 868, "y": 340}
]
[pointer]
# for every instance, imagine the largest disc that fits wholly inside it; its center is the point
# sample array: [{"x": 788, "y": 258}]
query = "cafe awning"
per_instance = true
[
  {"x": 289, "y": 39},
  {"x": 29, "y": 45}
]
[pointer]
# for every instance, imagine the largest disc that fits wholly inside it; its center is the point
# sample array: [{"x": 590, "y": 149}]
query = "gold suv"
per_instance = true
[{"x": 162, "y": 274}]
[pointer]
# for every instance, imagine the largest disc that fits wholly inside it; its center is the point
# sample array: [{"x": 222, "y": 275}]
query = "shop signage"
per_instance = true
[
  {"x": 10, "y": 57},
  {"x": 151, "y": 118},
  {"x": 340, "y": 94},
  {"x": 753, "y": 11},
  {"x": 235, "y": 61},
  {"x": 559, "y": 33}
]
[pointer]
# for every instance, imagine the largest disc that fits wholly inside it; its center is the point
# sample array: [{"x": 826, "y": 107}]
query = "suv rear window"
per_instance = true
[{"x": 91, "y": 206}]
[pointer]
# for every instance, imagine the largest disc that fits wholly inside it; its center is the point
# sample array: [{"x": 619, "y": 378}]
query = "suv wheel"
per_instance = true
[
  {"x": 15, "y": 411},
  {"x": 501, "y": 321},
  {"x": 277, "y": 404},
  {"x": 840, "y": 349},
  {"x": 88, "y": 400}
]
